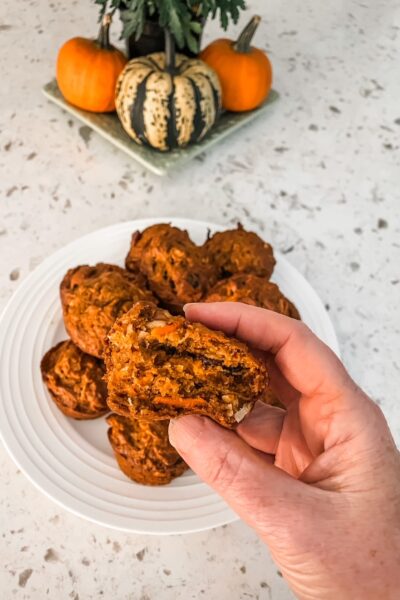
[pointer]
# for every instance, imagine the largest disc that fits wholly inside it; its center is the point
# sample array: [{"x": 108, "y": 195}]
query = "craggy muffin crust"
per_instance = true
[
  {"x": 75, "y": 381},
  {"x": 143, "y": 451},
  {"x": 176, "y": 269},
  {"x": 161, "y": 367},
  {"x": 139, "y": 242},
  {"x": 92, "y": 298},
  {"x": 239, "y": 251},
  {"x": 254, "y": 290}
]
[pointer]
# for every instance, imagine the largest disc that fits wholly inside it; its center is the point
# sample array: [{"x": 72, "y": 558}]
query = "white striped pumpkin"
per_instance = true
[{"x": 166, "y": 110}]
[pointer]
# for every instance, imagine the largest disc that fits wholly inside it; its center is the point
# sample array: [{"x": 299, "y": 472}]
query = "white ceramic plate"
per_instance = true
[{"x": 71, "y": 461}]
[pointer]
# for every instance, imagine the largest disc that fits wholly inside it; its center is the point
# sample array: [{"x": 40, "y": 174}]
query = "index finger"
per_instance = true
[{"x": 303, "y": 359}]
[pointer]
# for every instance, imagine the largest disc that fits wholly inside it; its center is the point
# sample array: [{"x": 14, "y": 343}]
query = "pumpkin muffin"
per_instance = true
[
  {"x": 75, "y": 381},
  {"x": 143, "y": 451},
  {"x": 92, "y": 298},
  {"x": 139, "y": 242},
  {"x": 176, "y": 269},
  {"x": 160, "y": 367},
  {"x": 254, "y": 290},
  {"x": 239, "y": 251}
]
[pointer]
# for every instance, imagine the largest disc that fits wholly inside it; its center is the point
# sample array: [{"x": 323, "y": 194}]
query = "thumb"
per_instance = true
[{"x": 260, "y": 493}]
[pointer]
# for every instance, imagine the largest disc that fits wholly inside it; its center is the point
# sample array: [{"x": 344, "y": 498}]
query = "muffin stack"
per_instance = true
[{"x": 165, "y": 269}]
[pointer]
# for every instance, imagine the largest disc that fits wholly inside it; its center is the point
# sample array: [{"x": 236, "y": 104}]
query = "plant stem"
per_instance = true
[
  {"x": 103, "y": 38},
  {"x": 244, "y": 40},
  {"x": 169, "y": 52}
]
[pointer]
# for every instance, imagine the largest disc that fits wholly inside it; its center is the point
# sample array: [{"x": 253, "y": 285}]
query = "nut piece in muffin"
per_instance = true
[
  {"x": 75, "y": 381},
  {"x": 92, "y": 298},
  {"x": 143, "y": 451},
  {"x": 239, "y": 251},
  {"x": 251, "y": 289},
  {"x": 174, "y": 266},
  {"x": 161, "y": 367}
]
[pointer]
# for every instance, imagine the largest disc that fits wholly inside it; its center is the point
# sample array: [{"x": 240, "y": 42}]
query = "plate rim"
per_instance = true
[{"x": 17, "y": 451}]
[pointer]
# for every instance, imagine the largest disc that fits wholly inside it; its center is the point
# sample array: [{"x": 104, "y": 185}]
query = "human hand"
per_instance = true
[{"x": 319, "y": 482}]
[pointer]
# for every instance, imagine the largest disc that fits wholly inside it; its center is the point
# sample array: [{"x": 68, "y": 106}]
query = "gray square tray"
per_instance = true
[{"x": 160, "y": 163}]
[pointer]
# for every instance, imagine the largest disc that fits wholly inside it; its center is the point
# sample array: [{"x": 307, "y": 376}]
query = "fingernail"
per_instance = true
[
  {"x": 184, "y": 431},
  {"x": 186, "y": 306}
]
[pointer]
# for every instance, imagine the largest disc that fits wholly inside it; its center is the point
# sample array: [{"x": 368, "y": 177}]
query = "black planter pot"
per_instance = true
[{"x": 152, "y": 39}]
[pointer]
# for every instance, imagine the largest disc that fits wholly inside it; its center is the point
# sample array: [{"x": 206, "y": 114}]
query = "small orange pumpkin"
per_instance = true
[
  {"x": 87, "y": 70},
  {"x": 245, "y": 72}
]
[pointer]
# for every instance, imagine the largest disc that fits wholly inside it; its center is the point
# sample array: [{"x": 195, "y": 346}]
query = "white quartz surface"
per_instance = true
[{"x": 319, "y": 178}]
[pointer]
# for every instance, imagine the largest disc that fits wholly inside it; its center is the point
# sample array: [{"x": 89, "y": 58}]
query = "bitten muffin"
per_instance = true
[
  {"x": 161, "y": 367},
  {"x": 143, "y": 451},
  {"x": 92, "y": 298},
  {"x": 175, "y": 268},
  {"x": 75, "y": 381},
  {"x": 254, "y": 290},
  {"x": 239, "y": 251}
]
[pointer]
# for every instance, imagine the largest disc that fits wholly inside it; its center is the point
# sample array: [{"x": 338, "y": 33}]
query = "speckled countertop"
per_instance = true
[{"x": 320, "y": 180}]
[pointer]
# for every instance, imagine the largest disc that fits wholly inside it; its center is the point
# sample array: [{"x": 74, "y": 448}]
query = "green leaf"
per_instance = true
[
  {"x": 179, "y": 16},
  {"x": 196, "y": 27},
  {"x": 192, "y": 43}
]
